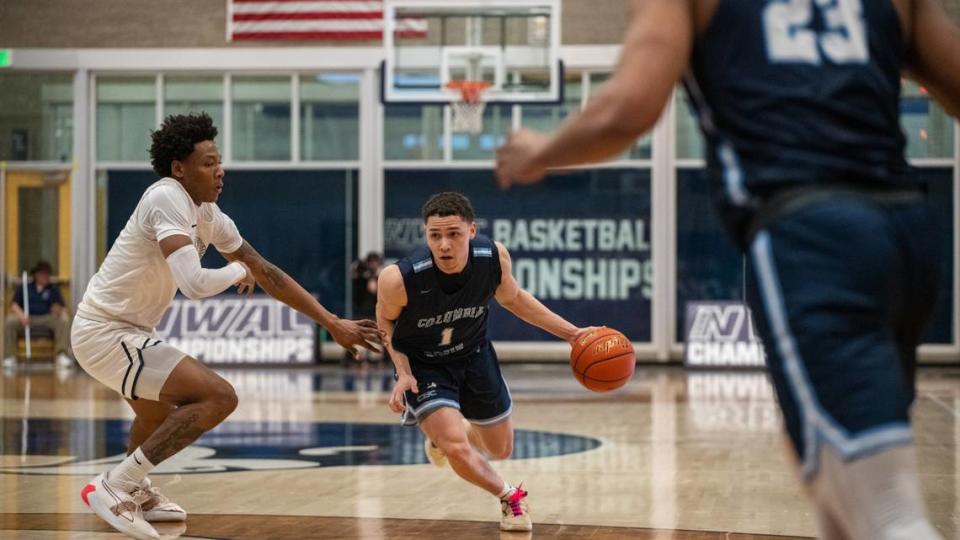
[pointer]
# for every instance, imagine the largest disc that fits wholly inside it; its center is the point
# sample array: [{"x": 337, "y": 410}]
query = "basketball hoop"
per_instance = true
[{"x": 468, "y": 110}]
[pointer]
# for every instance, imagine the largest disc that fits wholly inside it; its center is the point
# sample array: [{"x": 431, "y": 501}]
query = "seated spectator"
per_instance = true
[
  {"x": 47, "y": 309},
  {"x": 364, "y": 273}
]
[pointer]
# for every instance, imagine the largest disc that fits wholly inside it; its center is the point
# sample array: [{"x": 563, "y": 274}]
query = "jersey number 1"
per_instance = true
[
  {"x": 790, "y": 38},
  {"x": 446, "y": 337}
]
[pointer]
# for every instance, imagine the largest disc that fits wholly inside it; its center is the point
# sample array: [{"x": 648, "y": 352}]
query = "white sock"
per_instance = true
[
  {"x": 130, "y": 473},
  {"x": 877, "y": 496},
  {"x": 506, "y": 491}
]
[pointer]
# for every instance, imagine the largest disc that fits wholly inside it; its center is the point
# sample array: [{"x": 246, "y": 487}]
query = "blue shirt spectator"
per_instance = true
[
  {"x": 43, "y": 294},
  {"x": 47, "y": 310}
]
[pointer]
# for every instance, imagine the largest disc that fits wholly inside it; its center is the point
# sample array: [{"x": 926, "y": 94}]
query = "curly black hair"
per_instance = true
[
  {"x": 448, "y": 203},
  {"x": 176, "y": 138}
]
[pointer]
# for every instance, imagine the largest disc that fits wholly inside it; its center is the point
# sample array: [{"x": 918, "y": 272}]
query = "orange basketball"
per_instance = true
[{"x": 603, "y": 359}]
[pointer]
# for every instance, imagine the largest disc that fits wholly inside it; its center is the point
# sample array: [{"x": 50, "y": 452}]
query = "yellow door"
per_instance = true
[{"x": 37, "y": 224}]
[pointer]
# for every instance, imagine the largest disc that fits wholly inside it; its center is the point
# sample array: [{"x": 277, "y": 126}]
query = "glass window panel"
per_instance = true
[
  {"x": 940, "y": 183},
  {"x": 413, "y": 132},
  {"x": 39, "y": 227},
  {"x": 546, "y": 118},
  {"x": 497, "y": 121},
  {"x": 261, "y": 119},
  {"x": 126, "y": 113},
  {"x": 190, "y": 95},
  {"x": 643, "y": 147},
  {"x": 313, "y": 238},
  {"x": 709, "y": 266},
  {"x": 580, "y": 242},
  {"x": 330, "y": 117},
  {"x": 928, "y": 127},
  {"x": 690, "y": 141},
  {"x": 36, "y": 117}
]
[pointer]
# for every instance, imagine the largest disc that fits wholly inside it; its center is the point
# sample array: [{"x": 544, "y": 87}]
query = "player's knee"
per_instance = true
[
  {"x": 501, "y": 451},
  {"x": 457, "y": 452},
  {"x": 223, "y": 400}
]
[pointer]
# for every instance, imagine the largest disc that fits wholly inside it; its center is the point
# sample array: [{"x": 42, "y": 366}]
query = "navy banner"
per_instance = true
[{"x": 580, "y": 242}]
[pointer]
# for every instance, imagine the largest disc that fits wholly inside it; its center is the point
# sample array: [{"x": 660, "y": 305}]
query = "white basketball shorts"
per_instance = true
[{"x": 130, "y": 360}]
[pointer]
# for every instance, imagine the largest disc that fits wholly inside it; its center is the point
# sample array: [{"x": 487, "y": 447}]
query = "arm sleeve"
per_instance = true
[
  {"x": 225, "y": 235},
  {"x": 167, "y": 213},
  {"x": 18, "y": 296},
  {"x": 197, "y": 282}
]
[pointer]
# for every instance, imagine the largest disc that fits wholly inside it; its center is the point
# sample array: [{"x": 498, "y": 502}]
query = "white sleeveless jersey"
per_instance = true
[{"x": 134, "y": 284}]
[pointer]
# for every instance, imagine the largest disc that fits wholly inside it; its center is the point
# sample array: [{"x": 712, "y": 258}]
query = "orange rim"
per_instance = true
[{"x": 470, "y": 91}]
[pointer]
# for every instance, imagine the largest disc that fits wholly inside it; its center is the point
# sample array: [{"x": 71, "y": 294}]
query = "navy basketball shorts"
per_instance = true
[
  {"x": 841, "y": 290},
  {"x": 471, "y": 384}
]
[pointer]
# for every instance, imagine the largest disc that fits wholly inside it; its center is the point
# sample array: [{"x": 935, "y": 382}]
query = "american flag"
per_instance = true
[{"x": 313, "y": 20}]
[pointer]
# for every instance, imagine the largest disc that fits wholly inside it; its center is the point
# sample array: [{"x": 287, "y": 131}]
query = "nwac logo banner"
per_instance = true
[
  {"x": 241, "y": 330},
  {"x": 721, "y": 334}
]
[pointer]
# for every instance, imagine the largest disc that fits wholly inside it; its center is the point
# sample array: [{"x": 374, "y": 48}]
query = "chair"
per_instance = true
[{"x": 42, "y": 345}]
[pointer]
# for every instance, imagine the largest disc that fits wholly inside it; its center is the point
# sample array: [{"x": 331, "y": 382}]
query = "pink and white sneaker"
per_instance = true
[{"x": 516, "y": 513}]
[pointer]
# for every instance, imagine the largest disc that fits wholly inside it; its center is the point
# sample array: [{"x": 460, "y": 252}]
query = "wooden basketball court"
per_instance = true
[{"x": 317, "y": 454}]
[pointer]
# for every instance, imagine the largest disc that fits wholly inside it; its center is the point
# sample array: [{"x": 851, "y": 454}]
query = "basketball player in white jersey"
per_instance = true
[{"x": 175, "y": 398}]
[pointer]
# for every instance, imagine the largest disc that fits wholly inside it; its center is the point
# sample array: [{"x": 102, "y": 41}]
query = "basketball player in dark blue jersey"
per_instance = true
[
  {"x": 799, "y": 102},
  {"x": 432, "y": 308}
]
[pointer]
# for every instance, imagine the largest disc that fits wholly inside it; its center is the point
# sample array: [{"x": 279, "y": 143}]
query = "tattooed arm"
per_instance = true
[{"x": 276, "y": 283}]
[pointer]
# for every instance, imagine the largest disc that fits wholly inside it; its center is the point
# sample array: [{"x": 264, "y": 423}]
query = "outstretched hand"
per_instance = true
[
  {"x": 516, "y": 159},
  {"x": 351, "y": 335},
  {"x": 582, "y": 332}
]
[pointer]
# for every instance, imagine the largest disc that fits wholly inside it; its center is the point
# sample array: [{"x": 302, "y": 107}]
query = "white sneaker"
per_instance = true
[
  {"x": 434, "y": 454},
  {"x": 64, "y": 361},
  {"x": 9, "y": 362},
  {"x": 157, "y": 507},
  {"x": 118, "y": 508},
  {"x": 516, "y": 513}
]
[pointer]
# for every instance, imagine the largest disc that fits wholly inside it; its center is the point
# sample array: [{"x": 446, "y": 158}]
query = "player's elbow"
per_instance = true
[
  {"x": 622, "y": 110},
  {"x": 191, "y": 287},
  {"x": 190, "y": 292},
  {"x": 509, "y": 303},
  {"x": 630, "y": 117}
]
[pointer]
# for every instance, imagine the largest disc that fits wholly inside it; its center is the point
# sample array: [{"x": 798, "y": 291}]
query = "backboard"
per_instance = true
[{"x": 511, "y": 44}]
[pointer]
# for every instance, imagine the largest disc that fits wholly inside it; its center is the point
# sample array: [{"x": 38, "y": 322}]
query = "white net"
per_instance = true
[
  {"x": 468, "y": 110},
  {"x": 468, "y": 116}
]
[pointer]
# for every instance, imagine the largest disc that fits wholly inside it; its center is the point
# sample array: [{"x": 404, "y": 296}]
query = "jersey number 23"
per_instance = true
[{"x": 791, "y": 38}]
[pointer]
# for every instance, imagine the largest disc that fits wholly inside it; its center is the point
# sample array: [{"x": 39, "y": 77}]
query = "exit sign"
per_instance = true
[{"x": 6, "y": 58}]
